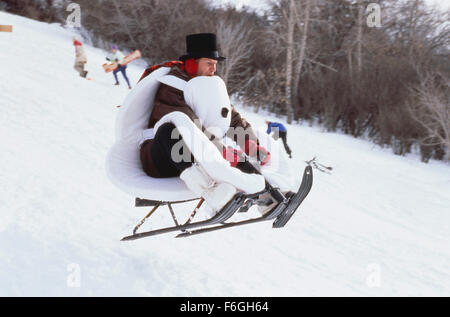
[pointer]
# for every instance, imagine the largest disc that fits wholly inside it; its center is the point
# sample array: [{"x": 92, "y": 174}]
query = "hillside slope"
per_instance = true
[{"x": 379, "y": 225}]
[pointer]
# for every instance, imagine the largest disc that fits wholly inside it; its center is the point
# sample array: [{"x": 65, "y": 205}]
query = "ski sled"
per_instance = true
[
  {"x": 124, "y": 169},
  {"x": 279, "y": 214},
  {"x": 109, "y": 67}
]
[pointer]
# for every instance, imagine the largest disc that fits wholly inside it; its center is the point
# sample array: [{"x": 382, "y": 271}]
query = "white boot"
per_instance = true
[{"x": 216, "y": 195}]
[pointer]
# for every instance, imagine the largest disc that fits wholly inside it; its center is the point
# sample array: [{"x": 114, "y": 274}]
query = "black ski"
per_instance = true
[
  {"x": 273, "y": 213},
  {"x": 282, "y": 212},
  {"x": 296, "y": 199},
  {"x": 219, "y": 227}
]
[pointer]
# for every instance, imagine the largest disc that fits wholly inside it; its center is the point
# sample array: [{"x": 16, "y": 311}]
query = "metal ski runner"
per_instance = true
[
  {"x": 296, "y": 199},
  {"x": 230, "y": 208},
  {"x": 282, "y": 212}
]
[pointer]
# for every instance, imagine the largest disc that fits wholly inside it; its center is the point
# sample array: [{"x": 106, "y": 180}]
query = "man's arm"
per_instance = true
[
  {"x": 240, "y": 129},
  {"x": 169, "y": 99},
  {"x": 269, "y": 128}
]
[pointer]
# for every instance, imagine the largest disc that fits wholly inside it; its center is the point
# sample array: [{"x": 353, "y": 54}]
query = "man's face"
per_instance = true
[
  {"x": 206, "y": 66},
  {"x": 114, "y": 50}
]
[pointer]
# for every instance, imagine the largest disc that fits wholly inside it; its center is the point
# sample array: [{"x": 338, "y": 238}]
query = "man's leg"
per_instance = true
[
  {"x": 161, "y": 152},
  {"x": 115, "y": 75},
  {"x": 283, "y": 136},
  {"x": 173, "y": 158},
  {"x": 124, "y": 73},
  {"x": 79, "y": 67},
  {"x": 84, "y": 72}
]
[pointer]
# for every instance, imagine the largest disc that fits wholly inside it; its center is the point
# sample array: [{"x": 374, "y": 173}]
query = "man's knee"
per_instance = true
[{"x": 165, "y": 130}]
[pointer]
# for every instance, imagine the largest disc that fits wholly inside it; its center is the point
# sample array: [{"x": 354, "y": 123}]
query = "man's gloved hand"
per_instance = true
[
  {"x": 108, "y": 59},
  {"x": 232, "y": 155},
  {"x": 252, "y": 149}
]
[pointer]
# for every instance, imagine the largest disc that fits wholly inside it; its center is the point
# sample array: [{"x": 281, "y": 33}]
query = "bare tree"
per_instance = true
[
  {"x": 236, "y": 44},
  {"x": 264, "y": 88},
  {"x": 291, "y": 31},
  {"x": 303, "y": 24},
  {"x": 359, "y": 36},
  {"x": 124, "y": 22},
  {"x": 290, "y": 20},
  {"x": 431, "y": 109},
  {"x": 413, "y": 17}
]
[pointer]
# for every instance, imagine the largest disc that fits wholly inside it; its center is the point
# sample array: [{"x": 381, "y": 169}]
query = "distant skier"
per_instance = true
[
  {"x": 80, "y": 58},
  {"x": 118, "y": 57},
  {"x": 280, "y": 132}
]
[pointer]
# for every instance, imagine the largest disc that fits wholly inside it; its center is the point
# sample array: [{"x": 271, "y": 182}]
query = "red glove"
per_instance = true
[
  {"x": 231, "y": 155},
  {"x": 251, "y": 148},
  {"x": 261, "y": 153}
]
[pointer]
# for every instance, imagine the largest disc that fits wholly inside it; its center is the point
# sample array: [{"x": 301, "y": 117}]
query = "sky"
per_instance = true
[
  {"x": 257, "y": 4},
  {"x": 261, "y": 4},
  {"x": 445, "y": 4}
]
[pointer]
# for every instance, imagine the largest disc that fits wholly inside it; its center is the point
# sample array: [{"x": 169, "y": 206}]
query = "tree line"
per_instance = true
[{"x": 316, "y": 61}]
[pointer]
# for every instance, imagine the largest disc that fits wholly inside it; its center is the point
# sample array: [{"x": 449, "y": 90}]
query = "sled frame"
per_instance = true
[
  {"x": 227, "y": 211},
  {"x": 139, "y": 202},
  {"x": 240, "y": 202}
]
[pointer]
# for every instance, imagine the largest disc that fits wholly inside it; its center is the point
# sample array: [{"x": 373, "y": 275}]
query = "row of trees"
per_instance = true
[
  {"x": 42, "y": 10},
  {"x": 388, "y": 82},
  {"x": 333, "y": 62}
]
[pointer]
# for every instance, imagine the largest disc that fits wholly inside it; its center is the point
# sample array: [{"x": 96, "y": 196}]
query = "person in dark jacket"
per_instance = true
[{"x": 280, "y": 131}]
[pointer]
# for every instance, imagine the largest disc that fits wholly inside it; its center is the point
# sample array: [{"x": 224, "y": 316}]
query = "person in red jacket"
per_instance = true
[{"x": 80, "y": 58}]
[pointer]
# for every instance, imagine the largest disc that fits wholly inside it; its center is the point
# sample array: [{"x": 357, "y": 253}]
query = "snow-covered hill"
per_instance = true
[{"x": 379, "y": 225}]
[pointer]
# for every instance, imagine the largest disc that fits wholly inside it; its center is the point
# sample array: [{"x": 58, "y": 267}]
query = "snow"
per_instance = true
[{"x": 379, "y": 225}]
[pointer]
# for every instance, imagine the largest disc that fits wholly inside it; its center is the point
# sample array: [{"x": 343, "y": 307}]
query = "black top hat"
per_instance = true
[{"x": 201, "y": 45}]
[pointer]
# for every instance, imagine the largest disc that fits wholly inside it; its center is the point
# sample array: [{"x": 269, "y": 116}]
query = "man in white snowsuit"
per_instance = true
[{"x": 214, "y": 180}]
